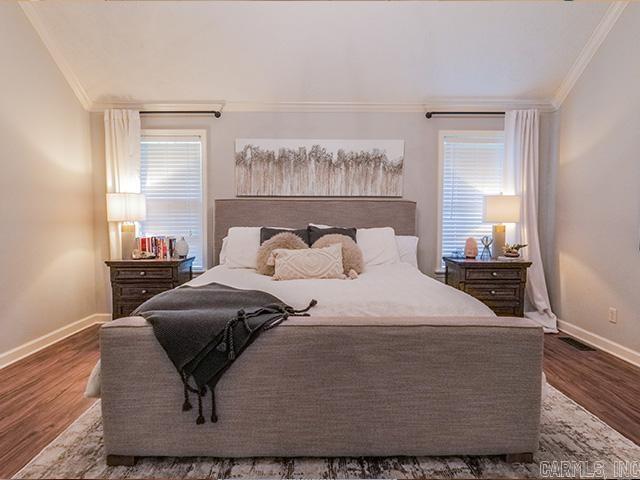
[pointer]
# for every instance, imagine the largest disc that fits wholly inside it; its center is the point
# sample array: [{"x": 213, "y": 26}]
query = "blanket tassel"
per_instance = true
[
  {"x": 312, "y": 304},
  {"x": 214, "y": 416},
  {"x": 200, "y": 419},
  {"x": 186, "y": 406}
]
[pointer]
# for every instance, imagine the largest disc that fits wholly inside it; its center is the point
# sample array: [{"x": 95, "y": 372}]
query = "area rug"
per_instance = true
[{"x": 573, "y": 443}]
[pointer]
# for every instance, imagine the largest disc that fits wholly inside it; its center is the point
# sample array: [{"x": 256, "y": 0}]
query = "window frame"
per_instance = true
[
  {"x": 439, "y": 269},
  {"x": 190, "y": 132}
]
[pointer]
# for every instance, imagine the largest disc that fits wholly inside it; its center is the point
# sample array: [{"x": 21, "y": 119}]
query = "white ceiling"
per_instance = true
[{"x": 359, "y": 52}]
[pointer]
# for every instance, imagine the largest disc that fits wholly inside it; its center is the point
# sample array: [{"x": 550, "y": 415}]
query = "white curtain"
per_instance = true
[
  {"x": 122, "y": 153},
  {"x": 521, "y": 178}
]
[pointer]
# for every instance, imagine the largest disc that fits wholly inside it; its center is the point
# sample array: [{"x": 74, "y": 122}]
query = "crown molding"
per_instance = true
[
  {"x": 465, "y": 104},
  {"x": 488, "y": 103},
  {"x": 218, "y": 105},
  {"x": 597, "y": 38},
  {"x": 55, "y": 52},
  {"x": 319, "y": 107}
]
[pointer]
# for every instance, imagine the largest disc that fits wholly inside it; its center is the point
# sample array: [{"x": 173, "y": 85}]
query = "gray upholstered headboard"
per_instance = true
[{"x": 298, "y": 213}]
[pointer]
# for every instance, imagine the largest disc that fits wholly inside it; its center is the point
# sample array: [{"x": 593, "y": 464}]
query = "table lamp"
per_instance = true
[
  {"x": 126, "y": 208},
  {"x": 500, "y": 209}
]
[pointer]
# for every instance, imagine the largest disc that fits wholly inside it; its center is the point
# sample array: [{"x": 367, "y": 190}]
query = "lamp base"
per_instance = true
[
  {"x": 128, "y": 240},
  {"x": 498, "y": 234}
]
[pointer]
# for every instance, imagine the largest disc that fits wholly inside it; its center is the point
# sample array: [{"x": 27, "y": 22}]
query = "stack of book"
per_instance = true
[{"x": 162, "y": 247}]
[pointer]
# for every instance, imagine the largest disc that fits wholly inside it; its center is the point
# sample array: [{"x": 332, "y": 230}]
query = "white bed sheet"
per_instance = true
[{"x": 394, "y": 290}]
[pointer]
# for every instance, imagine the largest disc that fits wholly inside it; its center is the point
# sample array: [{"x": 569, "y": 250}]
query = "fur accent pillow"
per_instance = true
[
  {"x": 310, "y": 263},
  {"x": 287, "y": 240},
  {"x": 351, "y": 253}
]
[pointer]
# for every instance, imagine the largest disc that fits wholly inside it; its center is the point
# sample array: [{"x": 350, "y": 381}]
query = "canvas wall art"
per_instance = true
[{"x": 319, "y": 168}]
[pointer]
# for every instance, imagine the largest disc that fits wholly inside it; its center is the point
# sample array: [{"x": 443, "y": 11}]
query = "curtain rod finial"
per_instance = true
[{"x": 428, "y": 114}]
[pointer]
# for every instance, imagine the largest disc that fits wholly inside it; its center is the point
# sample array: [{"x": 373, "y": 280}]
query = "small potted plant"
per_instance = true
[{"x": 513, "y": 250}]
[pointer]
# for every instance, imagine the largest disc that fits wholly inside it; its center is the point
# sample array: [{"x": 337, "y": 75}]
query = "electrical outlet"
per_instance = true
[{"x": 613, "y": 315}]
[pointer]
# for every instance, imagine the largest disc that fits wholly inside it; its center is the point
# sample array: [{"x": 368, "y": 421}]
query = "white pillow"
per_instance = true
[
  {"x": 378, "y": 246},
  {"x": 242, "y": 247},
  {"x": 223, "y": 252},
  {"x": 408, "y": 249}
]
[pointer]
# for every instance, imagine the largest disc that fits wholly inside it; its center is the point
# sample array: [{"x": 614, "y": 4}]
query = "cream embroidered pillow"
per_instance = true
[{"x": 307, "y": 263}]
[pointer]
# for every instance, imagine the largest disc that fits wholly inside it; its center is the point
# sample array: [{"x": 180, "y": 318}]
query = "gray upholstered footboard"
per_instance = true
[{"x": 335, "y": 387}]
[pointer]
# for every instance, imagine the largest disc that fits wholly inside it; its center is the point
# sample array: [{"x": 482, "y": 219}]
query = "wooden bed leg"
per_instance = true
[
  {"x": 519, "y": 457},
  {"x": 121, "y": 460}
]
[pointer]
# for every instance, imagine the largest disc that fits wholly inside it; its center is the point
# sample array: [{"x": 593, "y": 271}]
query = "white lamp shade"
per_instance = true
[
  {"x": 126, "y": 207},
  {"x": 501, "y": 209}
]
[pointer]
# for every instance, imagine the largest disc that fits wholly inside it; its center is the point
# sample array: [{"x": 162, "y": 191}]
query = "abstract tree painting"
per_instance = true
[{"x": 322, "y": 168}]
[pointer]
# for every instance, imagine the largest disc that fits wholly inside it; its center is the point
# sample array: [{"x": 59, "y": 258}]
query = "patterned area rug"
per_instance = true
[{"x": 573, "y": 443}]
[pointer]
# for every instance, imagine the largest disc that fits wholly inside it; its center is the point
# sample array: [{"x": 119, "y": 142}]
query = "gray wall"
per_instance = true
[
  {"x": 100, "y": 225},
  {"x": 46, "y": 201},
  {"x": 597, "y": 262}
]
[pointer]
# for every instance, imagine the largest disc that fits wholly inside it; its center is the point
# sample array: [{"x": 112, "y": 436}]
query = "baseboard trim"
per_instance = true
[
  {"x": 37, "y": 344},
  {"x": 595, "y": 340}
]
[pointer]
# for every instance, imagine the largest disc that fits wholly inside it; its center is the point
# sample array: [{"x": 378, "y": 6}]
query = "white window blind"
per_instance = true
[
  {"x": 171, "y": 174},
  {"x": 472, "y": 166}
]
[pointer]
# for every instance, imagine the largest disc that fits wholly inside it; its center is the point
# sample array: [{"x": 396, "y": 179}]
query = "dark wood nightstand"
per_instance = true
[
  {"x": 497, "y": 283},
  {"x": 134, "y": 281}
]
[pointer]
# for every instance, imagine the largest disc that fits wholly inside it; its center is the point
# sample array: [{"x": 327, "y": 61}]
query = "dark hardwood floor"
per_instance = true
[
  {"x": 603, "y": 384},
  {"x": 43, "y": 394}
]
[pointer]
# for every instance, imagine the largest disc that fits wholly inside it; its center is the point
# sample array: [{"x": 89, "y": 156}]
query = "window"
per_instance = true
[
  {"x": 471, "y": 166},
  {"x": 173, "y": 180}
]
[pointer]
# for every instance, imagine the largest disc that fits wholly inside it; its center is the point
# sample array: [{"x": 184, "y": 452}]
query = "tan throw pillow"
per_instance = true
[
  {"x": 287, "y": 240},
  {"x": 309, "y": 263},
  {"x": 351, "y": 253}
]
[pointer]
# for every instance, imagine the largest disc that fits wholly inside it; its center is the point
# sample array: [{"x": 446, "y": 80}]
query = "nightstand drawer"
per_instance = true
[
  {"x": 493, "y": 274},
  {"x": 506, "y": 310},
  {"x": 124, "y": 309},
  {"x": 494, "y": 292},
  {"x": 139, "y": 292},
  {"x": 135, "y": 274}
]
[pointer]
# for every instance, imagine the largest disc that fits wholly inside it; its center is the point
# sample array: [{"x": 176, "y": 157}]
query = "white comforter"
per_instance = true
[{"x": 391, "y": 290}]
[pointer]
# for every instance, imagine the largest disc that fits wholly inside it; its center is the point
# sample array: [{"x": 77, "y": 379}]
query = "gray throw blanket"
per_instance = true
[{"x": 204, "y": 329}]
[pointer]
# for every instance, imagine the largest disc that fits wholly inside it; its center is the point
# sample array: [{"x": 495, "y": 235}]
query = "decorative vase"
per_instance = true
[{"x": 182, "y": 248}]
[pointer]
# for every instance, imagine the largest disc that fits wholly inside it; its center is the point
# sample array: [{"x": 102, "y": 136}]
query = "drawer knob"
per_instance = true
[
  {"x": 494, "y": 274},
  {"x": 493, "y": 292},
  {"x": 143, "y": 273},
  {"x": 144, "y": 291}
]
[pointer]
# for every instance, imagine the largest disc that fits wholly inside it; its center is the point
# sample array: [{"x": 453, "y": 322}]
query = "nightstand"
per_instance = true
[
  {"x": 497, "y": 283},
  {"x": 134, "y": 281}
]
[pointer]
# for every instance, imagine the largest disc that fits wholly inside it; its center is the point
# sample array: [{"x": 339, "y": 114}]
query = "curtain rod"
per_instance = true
[
  {"x": 215, "y": 113},
  {"x": 431, "y": 114}
]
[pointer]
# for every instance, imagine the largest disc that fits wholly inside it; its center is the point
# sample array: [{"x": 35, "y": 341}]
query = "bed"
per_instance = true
[{"x": 392, "y": 363}]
